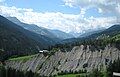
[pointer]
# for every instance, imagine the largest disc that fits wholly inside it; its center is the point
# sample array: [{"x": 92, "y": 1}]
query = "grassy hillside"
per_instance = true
[{"x": 22, "y": 58}]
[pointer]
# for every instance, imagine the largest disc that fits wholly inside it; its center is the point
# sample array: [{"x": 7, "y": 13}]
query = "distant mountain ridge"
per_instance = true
[
  {"x": 60, "y": 34},
  {"x": 111, "y": 31},
  {"x": 90, "y": 32},
  {"x": 53, "y": 34},
  {"x": 33, "y": 28}
]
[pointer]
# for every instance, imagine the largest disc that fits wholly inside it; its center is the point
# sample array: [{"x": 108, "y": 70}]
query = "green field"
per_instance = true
[
  {"x": 23, "y": 58},
  {"x": 72, "y": 75}
]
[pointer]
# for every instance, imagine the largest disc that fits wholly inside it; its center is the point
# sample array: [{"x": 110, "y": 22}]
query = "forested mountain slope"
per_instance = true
[
  {"x": 88, "y": 55},
  {"x": 17, "y": 40}
]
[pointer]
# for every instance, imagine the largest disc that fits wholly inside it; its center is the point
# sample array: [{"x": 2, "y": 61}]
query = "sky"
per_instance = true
[{"x": 75, "y": 16}]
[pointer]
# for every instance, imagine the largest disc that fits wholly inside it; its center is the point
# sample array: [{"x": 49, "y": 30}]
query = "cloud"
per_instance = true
[
  {"x": 103, "y": 6},
  {"x": 56, "y": 20},
  {"x": 86, "y": 3}
]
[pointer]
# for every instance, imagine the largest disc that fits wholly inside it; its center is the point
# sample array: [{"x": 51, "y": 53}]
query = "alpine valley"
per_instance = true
[{"x": 27, "y": 50}]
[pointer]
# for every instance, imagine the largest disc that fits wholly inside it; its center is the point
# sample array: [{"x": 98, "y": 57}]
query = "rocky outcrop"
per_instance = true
[{"x": 80, "y": 57}]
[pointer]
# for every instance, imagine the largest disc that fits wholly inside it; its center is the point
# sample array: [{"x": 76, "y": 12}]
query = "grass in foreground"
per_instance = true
[{"x": 72, "y": 75}]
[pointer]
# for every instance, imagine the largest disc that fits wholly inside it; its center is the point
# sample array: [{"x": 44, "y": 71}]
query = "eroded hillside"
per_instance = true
[{"x": 80, "y": 57}]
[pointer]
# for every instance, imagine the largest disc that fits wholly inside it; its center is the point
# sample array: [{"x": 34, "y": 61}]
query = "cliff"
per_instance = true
[{"x": 80, "y": 57}]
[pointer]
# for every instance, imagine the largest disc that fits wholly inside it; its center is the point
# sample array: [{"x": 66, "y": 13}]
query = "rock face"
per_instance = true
[{"x": 80, "y": 57}]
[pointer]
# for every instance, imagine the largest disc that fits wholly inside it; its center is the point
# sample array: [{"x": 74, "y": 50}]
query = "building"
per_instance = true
[{"x": 43, "y": 51}]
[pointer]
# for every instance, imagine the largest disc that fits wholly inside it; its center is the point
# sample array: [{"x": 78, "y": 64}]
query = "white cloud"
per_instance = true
[
  {"x": 88, "y": 3},
  {"x": 52, "y": 20},
  {"x": 103, "y": 6},
  {"x": 100, "y": 10}
]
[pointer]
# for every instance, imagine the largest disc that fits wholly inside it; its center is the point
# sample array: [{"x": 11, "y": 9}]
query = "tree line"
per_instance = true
[{"x": 95, "y": 44}]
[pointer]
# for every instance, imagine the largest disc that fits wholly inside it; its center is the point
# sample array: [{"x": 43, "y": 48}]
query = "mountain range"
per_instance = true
[
  {"x": 17, "y": 37},
  {"x": 111, "y": 31},
  {"x": 53, "y": 34},
  {"x": 56, "y": 35},
  {"x": 15, "y": 40},
  {"x": 60, "y": 52},
  {"x": 99, "y": 51}
]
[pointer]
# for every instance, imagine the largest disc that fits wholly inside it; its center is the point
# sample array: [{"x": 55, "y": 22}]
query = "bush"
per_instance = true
[{"x": 96, "y": 73}]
